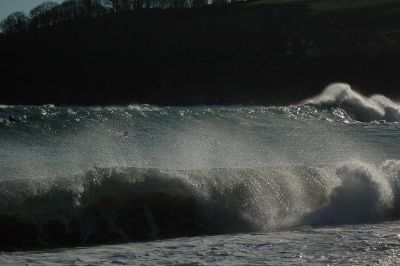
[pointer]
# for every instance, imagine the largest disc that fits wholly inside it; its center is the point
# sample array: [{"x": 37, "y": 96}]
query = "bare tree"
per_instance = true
[
  {"x": 42, "y": 15},
  {"x": 99, "y": 7},
  {"x": 219, "y": 2},
  {"x": 88, "y": 5},
  {"x": 198, "y": 3},
  {"x": 49, "y": 12},
  {"x": 71, "y": 9},
  {"x": 178, "y": 3},
  {"x": 161, "y": 3},
  {"x": 95, "y": 8},
  {"x": 116, "y": 5},
  {"x": 125, "y": 5},
  {"x": 15, "y": 22}
]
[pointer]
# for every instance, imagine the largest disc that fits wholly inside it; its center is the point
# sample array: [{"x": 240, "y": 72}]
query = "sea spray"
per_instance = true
[
  {"x": 87, "y": 175},
  {"x": 128, "y": 204},
  {"x": 365, "y": 194},
  {"x": 359, "y": 107}
]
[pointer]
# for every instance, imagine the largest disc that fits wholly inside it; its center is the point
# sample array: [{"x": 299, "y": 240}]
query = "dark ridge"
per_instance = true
[{"x": 244, "y": 53}]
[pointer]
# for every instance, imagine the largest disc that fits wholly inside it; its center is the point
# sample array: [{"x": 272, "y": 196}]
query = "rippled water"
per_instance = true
[{"x": 366, "y": 244}]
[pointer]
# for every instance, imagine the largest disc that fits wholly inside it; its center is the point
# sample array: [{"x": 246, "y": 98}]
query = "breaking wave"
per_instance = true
[
  {"x": 75, "y": 175},
  {"x": 365, "y": 109},
  {"x": 337, "y": 103},
  {"x": 130, "y": 204}
]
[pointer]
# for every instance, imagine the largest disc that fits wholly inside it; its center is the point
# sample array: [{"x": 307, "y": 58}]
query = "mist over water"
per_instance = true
[
  {"x": 87, "y": 175},
  {"x": 329, "y": 128}
]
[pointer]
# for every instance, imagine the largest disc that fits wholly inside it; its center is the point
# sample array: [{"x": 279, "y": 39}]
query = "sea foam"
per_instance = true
[
  {"x": 361, "y": 108},
  {"x": 128, "y": 204}
]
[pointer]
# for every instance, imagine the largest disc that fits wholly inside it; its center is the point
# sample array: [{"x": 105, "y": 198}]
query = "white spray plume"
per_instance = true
[{"x": 362, "y": 108}]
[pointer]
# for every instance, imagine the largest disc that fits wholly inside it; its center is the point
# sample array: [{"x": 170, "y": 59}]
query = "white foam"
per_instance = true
[
  {"x": 367, "y": 193},
  {"x": 362, "y": 108}
]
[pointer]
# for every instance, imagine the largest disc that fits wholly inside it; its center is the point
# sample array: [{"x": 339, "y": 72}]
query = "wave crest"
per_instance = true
[
  {"x": 130, "y": 204},
  {"x": 361, "y": 108},
  {"x": 365, "y": 194}
]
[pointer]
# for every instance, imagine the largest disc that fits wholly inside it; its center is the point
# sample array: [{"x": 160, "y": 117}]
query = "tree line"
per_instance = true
[{"x": 49, "y": 12}]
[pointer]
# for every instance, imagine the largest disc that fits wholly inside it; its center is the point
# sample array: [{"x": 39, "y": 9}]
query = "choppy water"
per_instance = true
[
  {"x": 374, "y": 244},
  {"x": 317, "y": 182}
]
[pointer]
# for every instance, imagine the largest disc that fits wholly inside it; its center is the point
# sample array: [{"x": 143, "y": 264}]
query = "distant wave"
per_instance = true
[
  {"x": 130, "y": 204},
  {"x": 337, "y": 103},
  {"x": 359, "y": 107}
]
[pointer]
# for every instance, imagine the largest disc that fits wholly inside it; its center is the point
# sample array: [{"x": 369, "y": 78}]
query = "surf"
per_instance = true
[
  {"x": 359, "y": 107},
  {"x": 74, "y": 175},
  {"x": 135, "y": 204}
]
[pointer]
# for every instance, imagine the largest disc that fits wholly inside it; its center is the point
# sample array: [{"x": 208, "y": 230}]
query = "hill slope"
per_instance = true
[{"x": 258, "y": 52}]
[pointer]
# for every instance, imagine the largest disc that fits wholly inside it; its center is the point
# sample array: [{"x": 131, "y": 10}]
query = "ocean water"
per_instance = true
[{"x": 317, "y": 182}]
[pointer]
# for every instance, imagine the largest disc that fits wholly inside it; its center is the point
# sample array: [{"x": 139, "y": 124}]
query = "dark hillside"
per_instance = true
[{"x": 258, "y": 52}]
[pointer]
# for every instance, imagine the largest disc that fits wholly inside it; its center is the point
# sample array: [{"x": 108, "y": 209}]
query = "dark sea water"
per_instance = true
[{"x": 314, "y": 183}]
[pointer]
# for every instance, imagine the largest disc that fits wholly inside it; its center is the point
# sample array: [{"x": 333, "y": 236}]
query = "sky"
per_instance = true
[{"x": 9, "y": 6}]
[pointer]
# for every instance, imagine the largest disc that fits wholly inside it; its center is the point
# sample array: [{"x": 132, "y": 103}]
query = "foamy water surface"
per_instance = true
[{"x": 312, "y": 183}]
